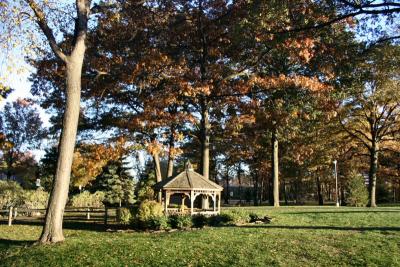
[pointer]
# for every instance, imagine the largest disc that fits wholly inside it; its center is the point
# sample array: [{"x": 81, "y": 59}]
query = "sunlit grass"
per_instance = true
[{"x": 298, "y": 236}]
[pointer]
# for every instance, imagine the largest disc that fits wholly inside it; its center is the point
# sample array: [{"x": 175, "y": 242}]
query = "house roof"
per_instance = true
[{"x": 188, "y": 180}]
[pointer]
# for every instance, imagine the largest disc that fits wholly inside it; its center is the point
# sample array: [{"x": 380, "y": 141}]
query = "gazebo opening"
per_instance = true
[{"x": 188, "y": 192}]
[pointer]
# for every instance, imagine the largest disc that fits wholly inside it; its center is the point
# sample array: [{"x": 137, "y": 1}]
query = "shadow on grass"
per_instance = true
[
  {"x": 343, "y": 211},
  {"x": 93, "y": 225},
  {"x": 15, "y": 243},
  {"x": 322, "y": 227}
]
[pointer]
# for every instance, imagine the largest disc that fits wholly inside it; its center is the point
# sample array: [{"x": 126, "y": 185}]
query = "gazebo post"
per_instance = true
[
  {"x": 191, "y": 202},
  {"x": 214, "y": 199},
  {"x": 183, "y": 202},
  {"x": 166, "y": 201},
  {"x": 219, "y": 202}
]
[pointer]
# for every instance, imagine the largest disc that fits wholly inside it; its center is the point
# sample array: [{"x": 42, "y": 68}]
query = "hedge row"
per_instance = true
[{"x": 149, "y": 216}]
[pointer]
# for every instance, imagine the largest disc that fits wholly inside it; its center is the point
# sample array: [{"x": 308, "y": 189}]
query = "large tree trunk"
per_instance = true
[
  {"x": 205, "y": 140},
  {"x": 157, "y": 167},
  {"x": 285, "y": 192},
  {"x": 227, "y": 186},
  {"x": 275, "y": 168},
  {"x": 255, "y": 181},
  {"x": 319, "y": 191},
  {"x": 205, "y": 146},
  {"x": 240, "y": 183},
  {"x": 373, "y": 167},
  {"x": 170, "y": 168},
  {"x": 52, "y": 231},
  {"x": 157, "y": 170}
]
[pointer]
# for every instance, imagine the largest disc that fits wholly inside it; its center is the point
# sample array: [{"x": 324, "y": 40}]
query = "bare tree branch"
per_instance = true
[{"x": 48, "y": 32}]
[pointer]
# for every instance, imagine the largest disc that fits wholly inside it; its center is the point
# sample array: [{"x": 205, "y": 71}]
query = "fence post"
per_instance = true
[
  {"x": 10, "y": 213},
  {"x": 88, "y": 214},
  {"x": 105, "y": 215}
]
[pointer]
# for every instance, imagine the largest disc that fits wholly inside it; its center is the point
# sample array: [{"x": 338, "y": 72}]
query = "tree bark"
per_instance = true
[
  {"x": 319, "y": 191},
  {"x": 170, "y": 168},
  {"x": 157, "y": 170},
  {"x": 205, "y": 140},
  {"x": 255, "y": 181},
  {"x": 240, "y": 183},
  {"x": 275, "y": 168},
  {"x": 373, "y": 167},
  {"x": 52, "y": 231},
  {"x": 227, "y": 187},
  {"x": 285, "y": 193}
]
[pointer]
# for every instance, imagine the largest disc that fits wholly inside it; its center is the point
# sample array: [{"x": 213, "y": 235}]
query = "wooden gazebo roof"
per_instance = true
[{"x": 188, "y": 180}]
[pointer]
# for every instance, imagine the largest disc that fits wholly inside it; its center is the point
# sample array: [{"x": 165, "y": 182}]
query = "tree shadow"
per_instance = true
[
  {"x": 343, "y": 211},
  {"x": 5, "y": 243},
  {"x": 323, "y": 227},
  {"x": 90, "y": 225}
]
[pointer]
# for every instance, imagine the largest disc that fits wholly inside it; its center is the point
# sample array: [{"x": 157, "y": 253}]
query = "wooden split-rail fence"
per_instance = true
[{"x": 85, "y": 213}]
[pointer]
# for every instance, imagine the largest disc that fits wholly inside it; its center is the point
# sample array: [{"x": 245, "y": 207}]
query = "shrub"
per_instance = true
[
  {"x": 124, "y": 215},
  {"x": 235, "y": 217},
  {"x": 11, "y": 194},
  {"x": 160, "y": 223},
  {"x": 86, "y": 199},
  {"x": 180, "y": 221},
  {"x": 149, "y": 212},
  {"x": 357, "y": 193},
  {"x": 35, "y": 199},
  {"x": 199, "y": 221}
]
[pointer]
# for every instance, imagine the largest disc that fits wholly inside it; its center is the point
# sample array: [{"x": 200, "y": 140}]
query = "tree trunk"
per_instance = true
[
  {"x": 275, "y": 168},
  {"x": 52, "y": 231},
  {"x": 240, "y": 183},
  {"x": 205, "y": 140},
  {"x": 373, "y": 167},
  {"x": 255, "y": 181},
  {"x": 157, "y": 170},
  {"x": 227, "y": 186},
  {"x": 319, "y": 191},
  {"x": 285, "y": 193},
  {"x": 170, "y": 168},
  {"x": 205, "y": 146}
]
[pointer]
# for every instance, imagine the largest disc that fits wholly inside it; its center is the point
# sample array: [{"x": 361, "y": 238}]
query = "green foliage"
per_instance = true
[
  {"x": 180, "y": 221},
  {"x": 21, "y": 125},
  {"x": 11, "y": 194},
  {"x": 86, "y": 199},
  {"x": 145, "y": 186},
  {"x": 160, "y": 223},
  {"x": 124, "y": 215},
  {"x": 149, "y": 214},
  {"x": 199, "y": 220},
  {"x": 357, "y": 193},
  {"x": 47, "y": 167},
  {"x": 117, "y": 184},
  {"x": 35, "y": 199},
  {"x": 236, "y": 216}
]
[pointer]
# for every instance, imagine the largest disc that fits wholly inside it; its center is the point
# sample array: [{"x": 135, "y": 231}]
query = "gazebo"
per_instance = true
[{"x": 181, "y": 194}]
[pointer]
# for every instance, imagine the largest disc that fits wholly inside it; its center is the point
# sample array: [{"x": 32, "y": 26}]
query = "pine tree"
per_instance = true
[{"x": 117, "y": 183}]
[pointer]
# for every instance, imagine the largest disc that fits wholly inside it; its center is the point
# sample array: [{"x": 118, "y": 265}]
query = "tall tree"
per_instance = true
[
  {"x": 71, "y": 54},
  {"x": 371, "y": 113},
  {"x": 22, "y": 130}
]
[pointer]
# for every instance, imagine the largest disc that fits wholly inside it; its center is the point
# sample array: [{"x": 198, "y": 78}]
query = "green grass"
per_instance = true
[{"x": 298, "y": 236}]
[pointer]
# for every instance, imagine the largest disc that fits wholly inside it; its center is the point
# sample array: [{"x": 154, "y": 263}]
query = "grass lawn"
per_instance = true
[{"x": 298, "y": 236}]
